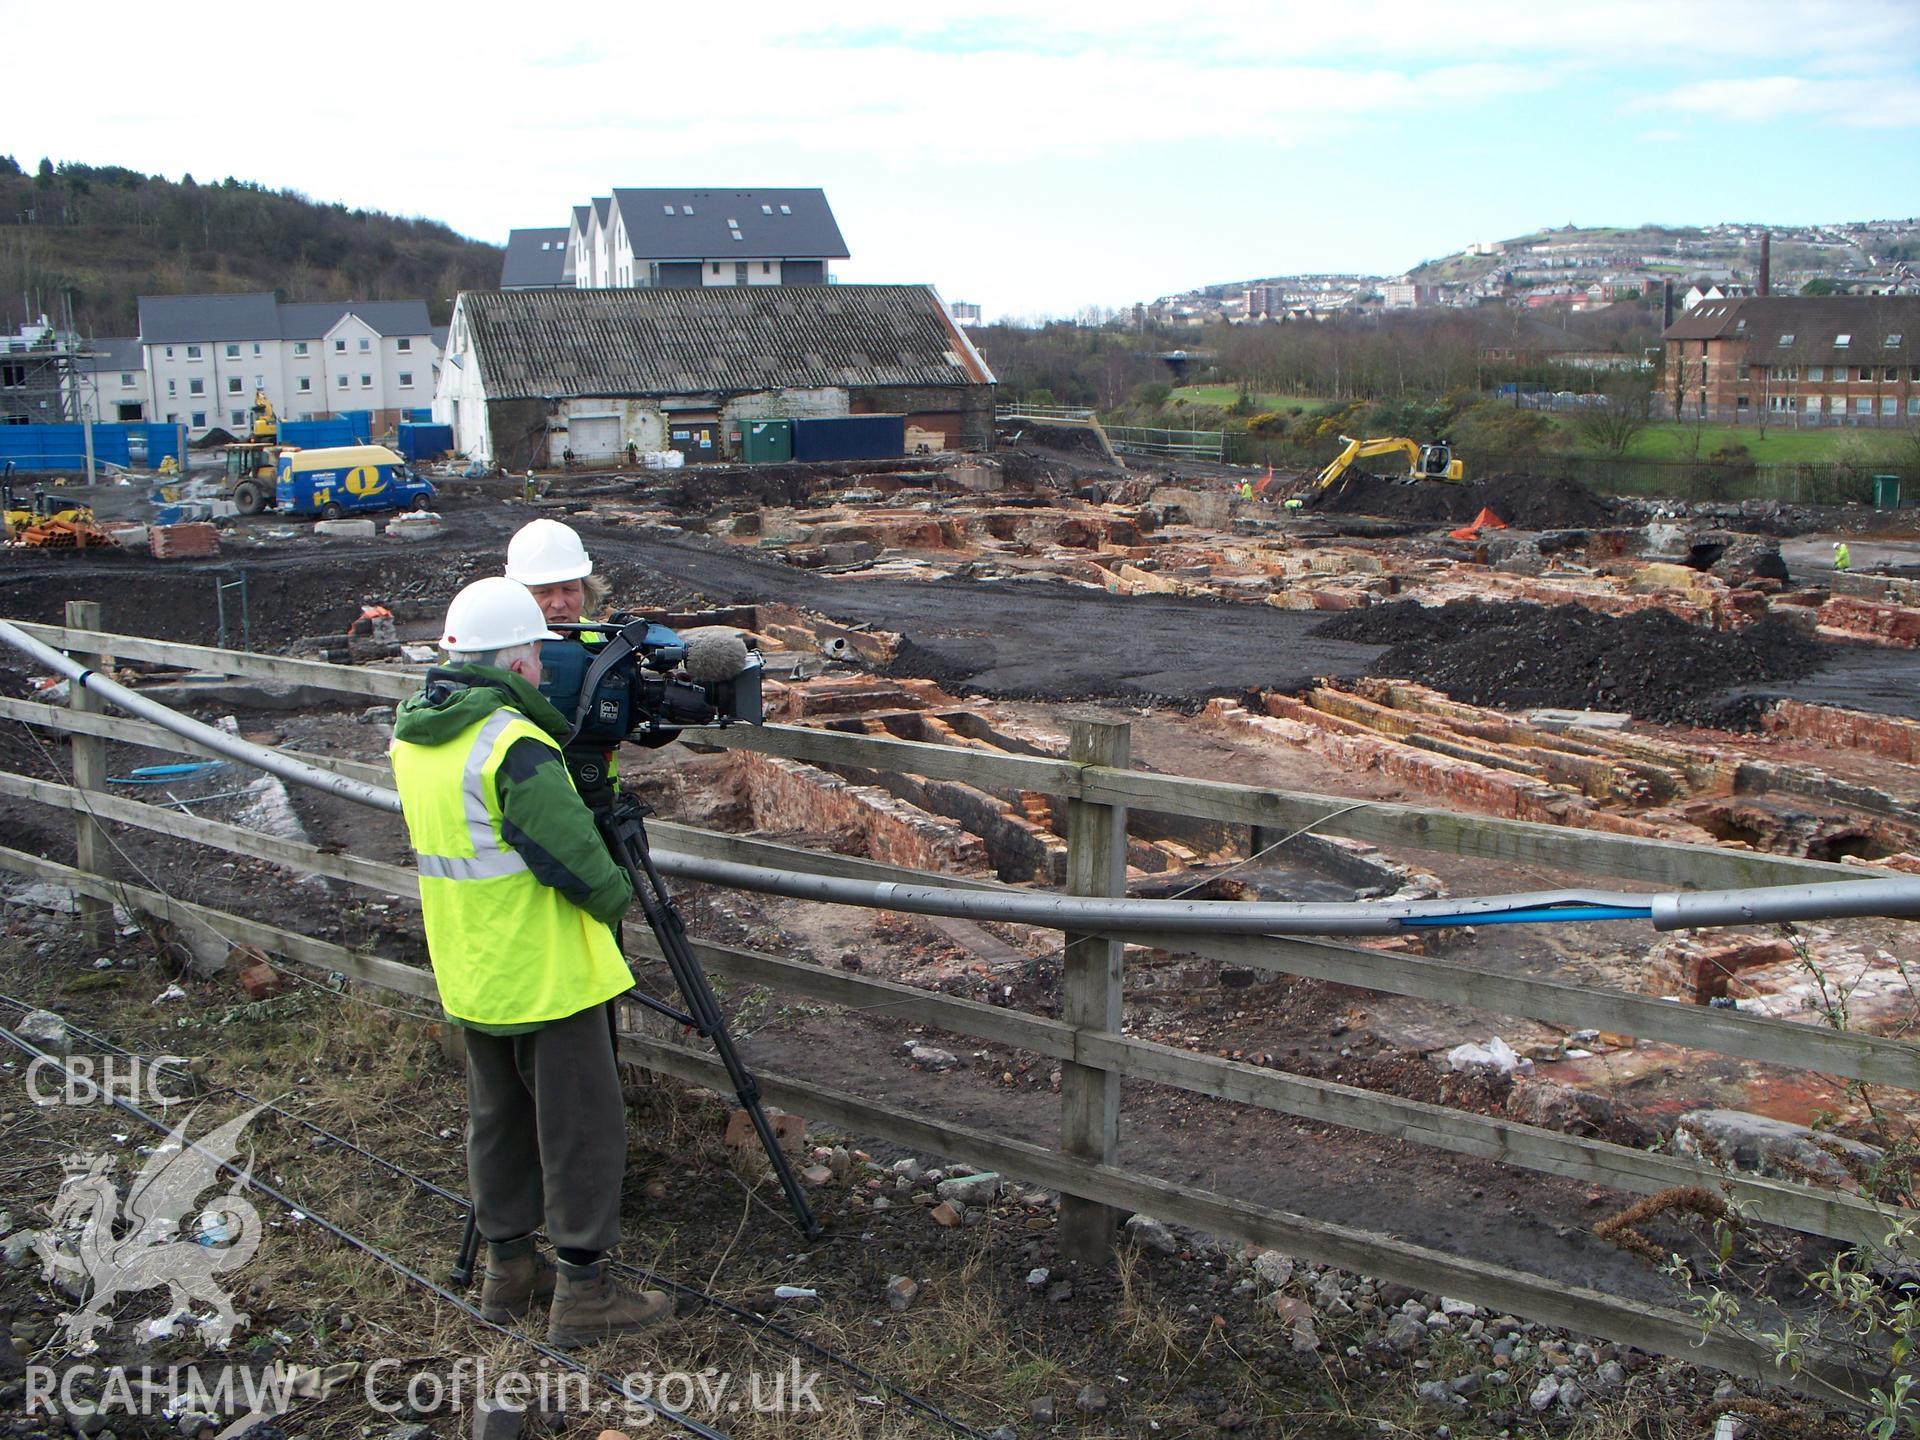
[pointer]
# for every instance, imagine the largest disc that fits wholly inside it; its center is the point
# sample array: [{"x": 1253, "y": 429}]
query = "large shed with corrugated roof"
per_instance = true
[{"x": 533, "y": 375}]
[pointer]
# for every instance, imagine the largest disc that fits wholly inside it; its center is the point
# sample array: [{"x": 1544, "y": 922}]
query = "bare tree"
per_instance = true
[{"x": 1625, "y": 409}]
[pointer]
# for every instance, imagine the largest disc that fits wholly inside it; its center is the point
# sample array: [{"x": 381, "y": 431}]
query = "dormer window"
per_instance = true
[
  {"x": 686, "y": 209},
  {"x": 786, "y": 209},
  {"x": 766, "y": 209},
  {"x": 667, "y": 208},
  {"x": 1893, "y": 341},
  {"x": 1841, "y": 342},
  {"x": 1786, "y": 340}
]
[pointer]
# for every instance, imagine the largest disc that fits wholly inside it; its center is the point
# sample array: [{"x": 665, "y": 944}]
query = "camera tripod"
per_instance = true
[{"x": 622, "y": 826}]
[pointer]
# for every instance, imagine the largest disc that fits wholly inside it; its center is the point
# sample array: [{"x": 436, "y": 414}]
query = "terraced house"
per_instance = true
[
  {"x": 1797, "y": 360},
  {"x": 681, "y": 239},
  {"x": 205, "y": 355}
]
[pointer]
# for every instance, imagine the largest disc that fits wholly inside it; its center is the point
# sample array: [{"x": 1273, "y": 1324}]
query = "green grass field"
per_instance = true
[
  {"x": 1782, "y": 445},
  {"x": 1223, "y": 396}
]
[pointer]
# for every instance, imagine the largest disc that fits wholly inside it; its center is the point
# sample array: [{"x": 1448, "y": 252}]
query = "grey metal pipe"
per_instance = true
[
  {"x": 219, "y": 741},
  {"x": 1847, "y": 899},
  {"x": 1068, "y": 912}
]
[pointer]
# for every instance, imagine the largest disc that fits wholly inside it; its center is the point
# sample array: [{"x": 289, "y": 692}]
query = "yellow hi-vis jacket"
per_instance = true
[{"x": 507, "y": 949}]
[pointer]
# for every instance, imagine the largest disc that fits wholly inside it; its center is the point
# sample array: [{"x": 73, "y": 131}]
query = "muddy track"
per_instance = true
[{"x": 1027, "y": 639}]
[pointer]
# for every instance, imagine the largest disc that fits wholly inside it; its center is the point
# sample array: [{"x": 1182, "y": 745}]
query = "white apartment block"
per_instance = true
[
  {"x": 634, "y": 238},
  {"x": 205, "y": 355},
  {"x": 111, "y": 380}
]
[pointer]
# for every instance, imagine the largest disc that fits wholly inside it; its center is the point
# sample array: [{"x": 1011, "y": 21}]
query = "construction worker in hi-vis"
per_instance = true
[{"x": 521, "y": 901}]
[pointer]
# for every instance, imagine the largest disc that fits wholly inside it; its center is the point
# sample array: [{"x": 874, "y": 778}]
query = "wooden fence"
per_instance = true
[{"x": 1094, "y": 1055}]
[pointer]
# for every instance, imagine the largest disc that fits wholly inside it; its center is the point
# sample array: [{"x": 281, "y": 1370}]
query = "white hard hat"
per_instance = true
[
  {"x": 545, "y": 552},
  {"x": 493, "y": 614}
]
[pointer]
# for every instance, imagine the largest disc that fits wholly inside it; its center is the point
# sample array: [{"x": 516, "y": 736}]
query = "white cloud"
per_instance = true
[{"x": 1882, "y": 103}]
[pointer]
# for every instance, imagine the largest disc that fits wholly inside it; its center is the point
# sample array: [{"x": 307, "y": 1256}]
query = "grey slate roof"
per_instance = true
[
  {"x": 115, "y": 355},
  {"x": 1811, "y": 324},
  {"x": 534, "y": 258},
  {"x": 311, "y": 319},
  {"x": 168, "y": 319},
  {"x": 171, "y": 319},
  {"x": 654, "y": 342},
  {"x": 773, "y": 225}
]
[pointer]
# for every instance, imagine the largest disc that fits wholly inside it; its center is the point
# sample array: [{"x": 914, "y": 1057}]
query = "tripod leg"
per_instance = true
[
  {"x": 462, "y": 1272},
  {"x": 627, "y": 838}
]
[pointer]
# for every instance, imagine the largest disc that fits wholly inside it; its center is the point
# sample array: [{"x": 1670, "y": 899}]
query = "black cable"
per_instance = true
[
  {"x": 738, "y": 1314},
  {"x": 247, "y": 1178}
]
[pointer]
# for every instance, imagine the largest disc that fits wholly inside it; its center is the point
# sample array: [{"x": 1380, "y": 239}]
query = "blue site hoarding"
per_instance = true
[
  {"x": 62, "y": 449},
  {"x": 423, "y": 442},
  {"x": 319, "y": 434},
  {"x": 850, "y": 437}
]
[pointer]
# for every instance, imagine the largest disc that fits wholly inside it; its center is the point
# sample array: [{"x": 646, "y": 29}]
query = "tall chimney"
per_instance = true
[
  {"x": 1666, "y": 304},
  {"x": 1766, "y": 262}
]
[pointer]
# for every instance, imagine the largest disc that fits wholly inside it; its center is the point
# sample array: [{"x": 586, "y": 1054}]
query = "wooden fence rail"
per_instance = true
[{"x": 1087, "y": 1041}]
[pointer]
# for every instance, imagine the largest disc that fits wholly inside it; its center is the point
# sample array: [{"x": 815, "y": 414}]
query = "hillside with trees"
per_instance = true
[{"x": 99, "y": 236}]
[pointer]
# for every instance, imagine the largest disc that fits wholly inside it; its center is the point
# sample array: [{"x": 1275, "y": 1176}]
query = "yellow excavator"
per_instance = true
[
  {"x": 1424, "y": 462},
  {"x": 253, "y": 462},
  {"x": 266, "y": 425}
]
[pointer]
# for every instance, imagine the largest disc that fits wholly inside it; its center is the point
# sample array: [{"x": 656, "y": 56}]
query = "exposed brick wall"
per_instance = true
[
  {"x": 965, "y": 411},
  {"x": 786, "y": 795},
  {"x": 1886, "y": 735},
  {"x": 1882, "y": 624}
]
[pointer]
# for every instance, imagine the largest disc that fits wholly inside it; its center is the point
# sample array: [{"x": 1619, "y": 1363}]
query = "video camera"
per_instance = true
[{"x": 629, "y": 677}]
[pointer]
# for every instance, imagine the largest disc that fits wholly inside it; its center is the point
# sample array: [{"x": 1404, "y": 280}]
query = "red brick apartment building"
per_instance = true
[{"x": 1794, "y": 360}]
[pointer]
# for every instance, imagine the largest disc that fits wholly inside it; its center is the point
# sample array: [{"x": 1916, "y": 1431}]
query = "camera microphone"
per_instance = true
[{"x": 714, "y": 654}]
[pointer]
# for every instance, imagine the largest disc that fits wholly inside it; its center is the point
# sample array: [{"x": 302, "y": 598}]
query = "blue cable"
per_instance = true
[
  {"x": 165, "y": 774},
  {"x": 1537, "y": 914}
]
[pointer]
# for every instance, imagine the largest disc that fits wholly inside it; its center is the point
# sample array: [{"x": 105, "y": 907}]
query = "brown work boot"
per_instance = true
[
  {"x": 516, "y": 1278},
  {"x": 588, "y": 1306}
]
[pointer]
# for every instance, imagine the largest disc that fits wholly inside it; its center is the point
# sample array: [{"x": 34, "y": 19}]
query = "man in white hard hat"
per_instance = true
[
  {"x": 521, "y": 902},
  {"x": 548, "y": 558}
]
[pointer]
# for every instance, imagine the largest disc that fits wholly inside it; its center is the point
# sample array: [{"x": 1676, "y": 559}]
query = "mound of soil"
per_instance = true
[
  {"x": 1073, "y": 439},
  {"x": 1651, "y": 664},
  {"x": 1532, "y": 502}
]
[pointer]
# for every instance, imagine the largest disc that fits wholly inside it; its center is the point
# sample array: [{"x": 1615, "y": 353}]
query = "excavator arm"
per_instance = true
[
  {"x": 1424, "y": 462},
  {"x": 266, "y": 425}
]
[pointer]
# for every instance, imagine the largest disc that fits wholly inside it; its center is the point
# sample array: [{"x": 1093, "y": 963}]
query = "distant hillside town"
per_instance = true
[{"x": 1579, "y": 269}]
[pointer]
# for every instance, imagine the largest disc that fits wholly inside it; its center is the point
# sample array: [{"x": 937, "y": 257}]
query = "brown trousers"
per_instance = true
[{"x": 546, "y": 1132}]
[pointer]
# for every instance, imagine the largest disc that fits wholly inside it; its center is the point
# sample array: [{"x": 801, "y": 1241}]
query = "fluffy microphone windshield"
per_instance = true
[{"x": 714, "y": 653}]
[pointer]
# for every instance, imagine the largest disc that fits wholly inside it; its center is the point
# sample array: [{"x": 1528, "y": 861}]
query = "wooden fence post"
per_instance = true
[
  {"x": 89, "y": 773},
  {"x": 1092, "y": 988}
]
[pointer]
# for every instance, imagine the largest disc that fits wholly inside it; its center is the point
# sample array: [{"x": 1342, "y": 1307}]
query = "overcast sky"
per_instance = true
[{"x": 1093, "y": 154}]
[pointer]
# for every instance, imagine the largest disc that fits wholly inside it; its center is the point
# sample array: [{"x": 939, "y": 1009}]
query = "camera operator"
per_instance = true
[
  {"x": 521, "y": 902},
  {"x": 550, "y": 560}
]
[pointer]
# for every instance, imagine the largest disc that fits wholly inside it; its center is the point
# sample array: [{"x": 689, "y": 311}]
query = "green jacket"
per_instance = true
[{"x": 541, "y": 816}]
